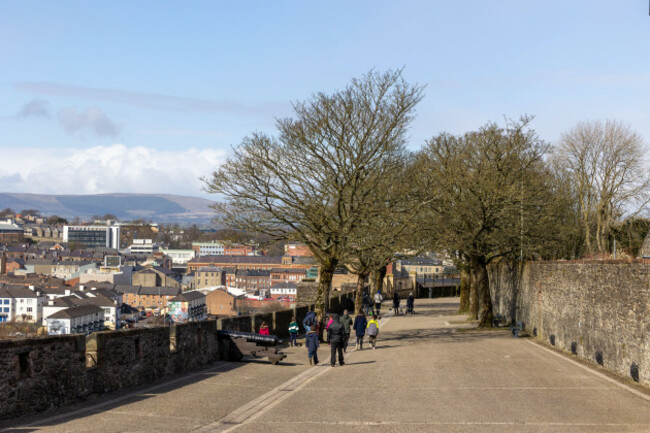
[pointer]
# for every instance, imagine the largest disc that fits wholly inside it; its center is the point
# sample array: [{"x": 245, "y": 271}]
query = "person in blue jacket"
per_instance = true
[
  {"x": 311, "y": 341},
  {"x": 309, "y": 321},
  {"x": 360, "y": 323}
]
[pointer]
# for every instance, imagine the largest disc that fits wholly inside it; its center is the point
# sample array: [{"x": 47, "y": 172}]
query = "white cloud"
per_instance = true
[{"x": 108, "y": 169}]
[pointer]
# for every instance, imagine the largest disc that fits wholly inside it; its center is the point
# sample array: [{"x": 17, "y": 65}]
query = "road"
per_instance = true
[{"x": 430, "y": 373}]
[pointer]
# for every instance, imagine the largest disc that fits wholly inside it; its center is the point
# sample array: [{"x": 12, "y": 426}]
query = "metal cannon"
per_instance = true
[{"x": 237, "y": 344}]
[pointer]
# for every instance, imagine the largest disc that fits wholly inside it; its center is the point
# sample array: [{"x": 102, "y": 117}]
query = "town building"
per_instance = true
[
  {"x": 11, "y": 233},
  {"x": 297, "y": 250},
  {"x": 188, "y": 307},
  {"x": 422, "y": 266},
  {"x": 82, "y": 319},
  {"x": 148, "y": 298},
  {"x": 238, "y": 250},
  {"x": 143, "y": 246},
  {"x": 154, "y": 276},
  {"x": 251, "y": 262},
  {"x": 179, "y": 257},
  {"x": 287, "y": 275},
  {"x": 209, "y": 276},
  {"x": 21, "y": 304},
  {"x": 208, "y": 248},
  {"x": 221, "y": 303},
  {"x": 93, "y": 236},
  {"x": 284, "y": 292},
  {"x": 254, "y": 281},
  {"x": 70, "y": 269}
]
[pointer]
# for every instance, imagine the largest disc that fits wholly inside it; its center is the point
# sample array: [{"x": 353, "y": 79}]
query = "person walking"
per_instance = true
[
  {"x": 396, "y": 302},
  {"x": 311, "y": 341},
  {"x": 335, "y": 335},
  {"x": 346, "y": 321},
  {"x": 410, "y": 302},
  {"x": 360, "y": 323},
  {"x": 367, "y": 304},
  {"x": 378, "y": 300},
  {"x": 372, "y": 329},
  {"x": 293, "y": 332},
  {"x": 309, "y": 321},
  {"x": 264, "y": 329}
]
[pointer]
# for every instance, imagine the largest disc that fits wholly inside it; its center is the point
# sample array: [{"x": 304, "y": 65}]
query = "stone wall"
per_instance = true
[
  {"x": 38, "y": 374},
  {"x": 44, "y": 373},
  {"x": 599, "y": 311}
]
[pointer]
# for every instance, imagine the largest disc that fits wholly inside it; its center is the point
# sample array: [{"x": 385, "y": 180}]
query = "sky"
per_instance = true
[{"x": 149, "y": 96}]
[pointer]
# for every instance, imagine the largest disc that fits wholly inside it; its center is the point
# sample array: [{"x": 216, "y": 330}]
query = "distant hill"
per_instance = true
[{"x": 157, "y": 207}]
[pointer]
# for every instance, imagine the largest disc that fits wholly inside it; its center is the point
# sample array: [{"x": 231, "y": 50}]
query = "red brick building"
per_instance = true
[
  {"x": 251, "y": 262},
  {"x": 290, "y": 275},
  {"x": 11, "y": 234},
  {"x": 238, "y": 250},
  {"x": 221, "y": 303},
  {"x": 297, "y": 250}
]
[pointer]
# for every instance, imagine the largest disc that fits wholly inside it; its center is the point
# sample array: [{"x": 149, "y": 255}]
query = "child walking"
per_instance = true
[
  {"x": 293, "y": 331},
  {"x": 373, "y": 330}
]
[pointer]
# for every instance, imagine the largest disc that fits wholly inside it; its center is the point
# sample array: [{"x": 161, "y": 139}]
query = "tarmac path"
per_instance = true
[{"x": 428, "y": 374}]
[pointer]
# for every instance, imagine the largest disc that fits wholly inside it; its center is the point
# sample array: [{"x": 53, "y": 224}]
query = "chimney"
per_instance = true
[
  {"x": 81, "y": 287},
  {"x": 32, "y": 288},
  {"x": 67, "y": 292},
  {"x": 93, "y": 288},
  {"x": 50, "y": 302}
]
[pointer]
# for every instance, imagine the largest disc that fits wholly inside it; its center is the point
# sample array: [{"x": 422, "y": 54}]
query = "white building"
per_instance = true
[
  {"x": 21, "y": 304},
  {"x": 93, "y": 236},
  {"x": 288, "y": 290},
  {"x": 108, "y": 300},
  {"x": 179, "y": 257},
  {"x": 143, "y": 246},
  {"x": 82, "y": 319},
  {"x": 208, "y": 248}
]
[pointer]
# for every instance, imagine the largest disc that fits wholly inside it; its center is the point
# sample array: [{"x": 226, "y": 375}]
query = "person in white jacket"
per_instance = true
[{"x": 378, "y": 299}]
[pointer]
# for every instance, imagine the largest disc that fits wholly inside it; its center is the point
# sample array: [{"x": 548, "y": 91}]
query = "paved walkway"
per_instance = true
[{"x": 427, "y": 375}]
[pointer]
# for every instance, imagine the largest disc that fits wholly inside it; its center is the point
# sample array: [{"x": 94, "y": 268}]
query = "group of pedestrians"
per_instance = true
[{"x": 339, "y": 328}]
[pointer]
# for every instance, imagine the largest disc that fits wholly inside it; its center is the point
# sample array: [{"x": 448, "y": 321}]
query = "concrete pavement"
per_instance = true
[{"x": 427, "y": 374}]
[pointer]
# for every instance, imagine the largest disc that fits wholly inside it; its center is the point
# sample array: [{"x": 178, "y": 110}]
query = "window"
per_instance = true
[
  {"x": 29, "y": 309},
  {"x": 6, "y": 309}
]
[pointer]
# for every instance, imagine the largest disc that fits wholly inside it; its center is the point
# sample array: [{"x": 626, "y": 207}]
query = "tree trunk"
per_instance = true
[
  {"x": 358, "y": 299},
  {"x": 378, "y": 281},
  {"x": 482, "y": 285},
  {"x": 322, "y": 306},
  {"x": 464, "y": 293},
  {"x": 473, "y": 294}
]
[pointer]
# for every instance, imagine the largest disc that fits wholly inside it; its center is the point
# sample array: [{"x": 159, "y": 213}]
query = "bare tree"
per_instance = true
[
  {"x": 605, "y": 164},
  {"x": 313, "y": 181},
  {"x": 492, "y": 197}
]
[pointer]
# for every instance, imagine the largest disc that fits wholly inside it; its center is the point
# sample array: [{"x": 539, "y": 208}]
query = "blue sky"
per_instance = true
[{"x": 148, "y": 96}]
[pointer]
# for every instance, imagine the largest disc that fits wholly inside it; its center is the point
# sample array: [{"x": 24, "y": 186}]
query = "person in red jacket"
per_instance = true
[{"x": 264, "y": 329}]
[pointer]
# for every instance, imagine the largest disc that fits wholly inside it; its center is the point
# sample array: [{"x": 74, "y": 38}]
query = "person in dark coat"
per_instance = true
[
  {"x": 360, "y": 323},
  {"x": 410, "y": 302},
  {"x": 335, "y": 336},
  {"x": 367, "y": 303},
  {"x": 349, "y": 305},
  {"x": 346, "y": 321},
  {"x": 396, "y": 301},
  {"x": 309, "y": 321},
  {"x": 311, "y": 341}
]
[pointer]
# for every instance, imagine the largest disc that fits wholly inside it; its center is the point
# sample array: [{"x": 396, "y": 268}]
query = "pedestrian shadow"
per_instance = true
[{"x": 360, "y": 362}]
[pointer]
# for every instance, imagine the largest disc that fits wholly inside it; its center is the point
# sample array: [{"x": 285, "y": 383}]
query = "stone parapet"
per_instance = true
[{"x": 597, "y": 311}]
